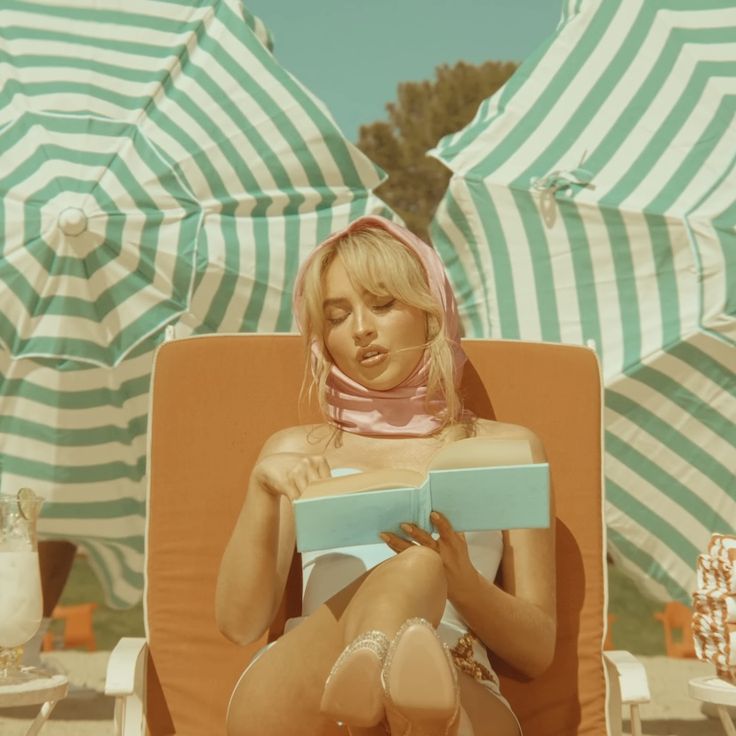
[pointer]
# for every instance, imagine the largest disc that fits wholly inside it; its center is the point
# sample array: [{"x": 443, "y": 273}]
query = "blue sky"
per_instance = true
[{"x": 353, "y": 53}]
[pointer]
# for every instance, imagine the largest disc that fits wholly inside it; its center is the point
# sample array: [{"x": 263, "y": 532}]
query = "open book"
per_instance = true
[{"x": 463, "y": 482}]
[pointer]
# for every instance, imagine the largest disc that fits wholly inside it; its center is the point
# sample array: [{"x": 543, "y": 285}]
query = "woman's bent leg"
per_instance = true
[
  {"x": 409, "y": 585},
  {"x": 488, "y": 715},
  {"x": 284, "y": 687}
]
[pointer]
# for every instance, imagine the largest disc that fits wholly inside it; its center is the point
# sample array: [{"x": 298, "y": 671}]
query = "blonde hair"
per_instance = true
[{"x": 384, "y": 267}]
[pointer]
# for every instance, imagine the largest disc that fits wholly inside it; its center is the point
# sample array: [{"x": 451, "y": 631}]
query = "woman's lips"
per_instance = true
[{"x": 373, "y": 357}]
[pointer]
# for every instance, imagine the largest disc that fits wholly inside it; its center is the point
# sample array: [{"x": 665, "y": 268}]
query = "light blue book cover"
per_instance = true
[{"x": 473, "y": 499}]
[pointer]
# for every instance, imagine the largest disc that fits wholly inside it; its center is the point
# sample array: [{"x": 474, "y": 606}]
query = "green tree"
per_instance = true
[{"x": 423, "y": 113}]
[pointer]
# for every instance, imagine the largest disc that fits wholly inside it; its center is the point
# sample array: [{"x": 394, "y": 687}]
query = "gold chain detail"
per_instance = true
[{"x": 464, "y": 658}]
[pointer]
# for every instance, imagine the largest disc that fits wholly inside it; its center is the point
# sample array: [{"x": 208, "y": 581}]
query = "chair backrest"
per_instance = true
[{"x": 216, "y": 398}]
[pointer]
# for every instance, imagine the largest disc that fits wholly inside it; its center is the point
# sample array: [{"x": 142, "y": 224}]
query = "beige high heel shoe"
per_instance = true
[
  {"x": 353, "y": 693},
  {"x": 420, "y": 683}
]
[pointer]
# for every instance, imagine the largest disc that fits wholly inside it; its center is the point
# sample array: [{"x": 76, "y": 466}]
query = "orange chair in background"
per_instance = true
[
  {"x": 78, "y": 631},
  {"x": 678, "y": 633}
]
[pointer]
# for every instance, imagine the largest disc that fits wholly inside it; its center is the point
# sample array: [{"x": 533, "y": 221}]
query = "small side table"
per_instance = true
[
  {"x": 718, "y": 692},
  {"x": 43, "y": 691}
]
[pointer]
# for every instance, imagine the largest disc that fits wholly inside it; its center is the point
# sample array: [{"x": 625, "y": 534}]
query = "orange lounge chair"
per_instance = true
[{"x": 216, "y": 398}]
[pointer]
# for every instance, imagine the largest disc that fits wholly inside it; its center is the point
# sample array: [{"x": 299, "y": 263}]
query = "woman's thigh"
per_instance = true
[
  {"x": 284, "y": 686},
  {"x": 489, "y": 715}
]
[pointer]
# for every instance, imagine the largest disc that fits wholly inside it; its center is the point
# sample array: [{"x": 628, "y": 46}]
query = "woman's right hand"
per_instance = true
[{"x": 289, "y": 473}]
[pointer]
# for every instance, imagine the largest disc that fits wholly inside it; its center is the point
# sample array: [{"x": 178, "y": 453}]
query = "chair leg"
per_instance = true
[
  {"x": 635, "y": 720},
  {"x": 41, "y": 718},
  {"x": 728, "y": 726}
]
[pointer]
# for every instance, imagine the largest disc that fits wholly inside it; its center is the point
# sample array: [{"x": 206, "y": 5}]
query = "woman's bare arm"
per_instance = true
[
  {"x": 518, "y": 625},
  {"x": 517, "y": 622},
  {"x": 255, "y": 565}
]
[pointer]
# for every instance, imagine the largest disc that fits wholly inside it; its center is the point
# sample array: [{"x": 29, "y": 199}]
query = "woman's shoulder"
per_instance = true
[
  {"x": 508, "y": 431},
  {"x": 305, "y": 438}
]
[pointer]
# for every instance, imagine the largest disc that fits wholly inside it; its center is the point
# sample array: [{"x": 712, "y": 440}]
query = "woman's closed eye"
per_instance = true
[
  {"x": 335, "y": 318},
  {"x": 385, "y": 306}
]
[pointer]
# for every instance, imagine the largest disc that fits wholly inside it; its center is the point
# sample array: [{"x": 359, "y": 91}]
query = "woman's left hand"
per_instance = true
[{"x": 451, "y": 547}]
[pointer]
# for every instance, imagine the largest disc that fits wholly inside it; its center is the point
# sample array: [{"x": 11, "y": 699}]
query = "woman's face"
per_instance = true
[{"x": 376, "y": 341}]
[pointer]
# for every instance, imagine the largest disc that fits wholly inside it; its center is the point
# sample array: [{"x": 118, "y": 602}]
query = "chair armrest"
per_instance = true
[
  {"x": 126, "y": 681},
  {"x": 125, "y": 661},
  {"x": 627, "y": 685},
  {"x": 632, "y": 677}
]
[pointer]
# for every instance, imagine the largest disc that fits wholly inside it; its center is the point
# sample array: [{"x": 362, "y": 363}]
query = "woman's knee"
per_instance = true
[
  {"x": 410, "y": 584},
  {"x": 419, "y": 570},
  {"x": 420, "y": 561}
]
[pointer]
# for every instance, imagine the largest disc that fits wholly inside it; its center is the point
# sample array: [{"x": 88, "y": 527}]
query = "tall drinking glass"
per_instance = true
[{"x": 21, "y": 605}]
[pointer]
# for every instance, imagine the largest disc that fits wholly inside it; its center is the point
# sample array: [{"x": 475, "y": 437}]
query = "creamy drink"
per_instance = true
[{"x": 20, "y": 597}]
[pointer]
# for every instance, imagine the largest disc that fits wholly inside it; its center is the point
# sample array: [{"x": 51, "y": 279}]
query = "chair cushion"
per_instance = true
[{"x": 215, "y": 399}]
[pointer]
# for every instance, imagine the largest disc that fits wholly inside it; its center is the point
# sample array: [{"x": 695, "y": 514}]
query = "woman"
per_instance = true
[{"x": 385, "y": 644}]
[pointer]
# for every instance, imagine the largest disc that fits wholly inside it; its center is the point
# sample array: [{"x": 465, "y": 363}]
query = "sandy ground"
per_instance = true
[{"x": 88, "y": 712}]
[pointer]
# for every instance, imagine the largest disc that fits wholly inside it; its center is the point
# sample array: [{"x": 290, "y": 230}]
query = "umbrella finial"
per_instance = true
[{"x": 72, "y": 221}]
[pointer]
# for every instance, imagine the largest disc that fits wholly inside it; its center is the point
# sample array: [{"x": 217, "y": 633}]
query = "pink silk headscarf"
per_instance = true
[{"x": 403, "y": 410}]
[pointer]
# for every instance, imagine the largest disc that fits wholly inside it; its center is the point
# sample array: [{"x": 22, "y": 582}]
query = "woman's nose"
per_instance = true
[{"x": 363, "y": 326}]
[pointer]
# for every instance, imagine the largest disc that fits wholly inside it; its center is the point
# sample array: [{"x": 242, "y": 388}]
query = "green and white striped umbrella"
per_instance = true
[
  {"x": 77, "y": 435},
  {"x": 593, "y": 199},
  {"x": 157, "y": 166}
]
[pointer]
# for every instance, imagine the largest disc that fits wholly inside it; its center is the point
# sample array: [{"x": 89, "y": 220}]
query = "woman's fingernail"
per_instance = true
[
  {"x": 406, "y": 527},
  {"x": 434, "y": 516},
  {"x": 385, "y": 537}
]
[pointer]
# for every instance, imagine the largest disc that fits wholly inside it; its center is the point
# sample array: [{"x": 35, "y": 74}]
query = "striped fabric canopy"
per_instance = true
[
  {"x": 157, "y": 166},
  {"x": 77, "y": 435},
  {"x": 593, "y": 199}
]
